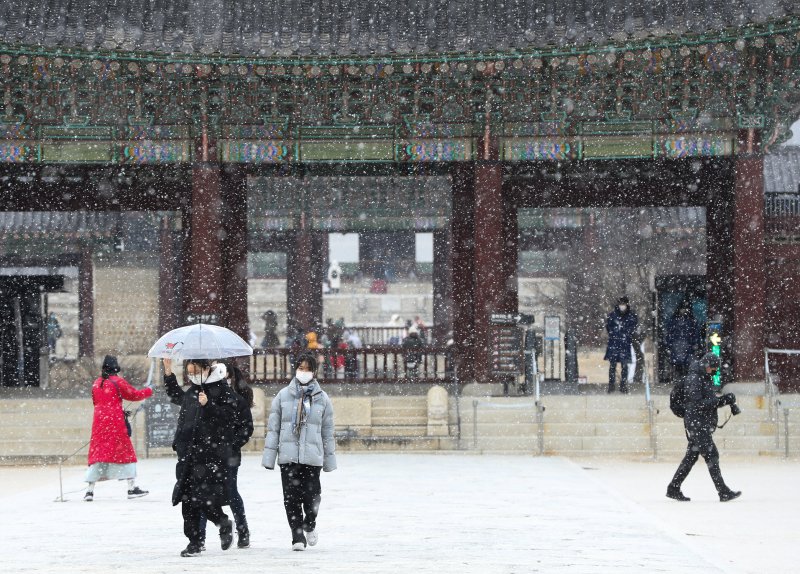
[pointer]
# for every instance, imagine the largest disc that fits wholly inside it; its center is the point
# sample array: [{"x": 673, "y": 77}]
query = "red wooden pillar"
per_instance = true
[
  {"x": 319, "y": 270},
  {"x": 490, "y": 280},
  {"x": 234, "y": 251},
  {"x": 304, "y": 283},
  {"x": 168, "y": 292},
  {"x": 510, "y": 258},
  {"x": 719, "y": 250},
  {"x": 462, "y": 257},
  {"x": 86, "y": 303},
  {"x": 203, "y": 289},
  {"x": 749, "y": 279},
  {"x": 442, "y": 286}
]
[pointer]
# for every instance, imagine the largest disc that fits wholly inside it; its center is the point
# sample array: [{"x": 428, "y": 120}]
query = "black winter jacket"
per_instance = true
[
  {"x": 241, "y": 426},
  {"x": 701, "y": 400},
  {"x": 210, "y": 428},
  {"x": 202, "y": 441}
]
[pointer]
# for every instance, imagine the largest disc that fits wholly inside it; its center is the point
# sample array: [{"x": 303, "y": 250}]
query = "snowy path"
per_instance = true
[{"x": 380, "y": 513}]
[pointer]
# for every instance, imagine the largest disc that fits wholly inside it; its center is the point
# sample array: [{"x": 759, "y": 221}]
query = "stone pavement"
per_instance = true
[{"x": 380, "y": 513}]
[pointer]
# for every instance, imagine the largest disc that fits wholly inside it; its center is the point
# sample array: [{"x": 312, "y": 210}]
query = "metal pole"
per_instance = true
[
  {"x": 540, "y": 425},
  {"x": 651, "y": 416},
  {"x": 458, "y": 407},
  {"x": 475, "y": 424},
  {"x": 786, "y": 432},
  {"x": 60, "y": 484}
]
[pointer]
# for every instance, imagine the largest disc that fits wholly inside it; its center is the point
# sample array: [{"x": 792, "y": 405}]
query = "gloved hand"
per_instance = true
[{"x": 727, "y": 399}]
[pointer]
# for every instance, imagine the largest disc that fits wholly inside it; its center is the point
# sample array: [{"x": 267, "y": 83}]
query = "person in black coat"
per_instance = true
[
  {"x": 240, "y": 431},
  {"x": 700, "y": 422},
  {"x": 683, "y": 339},
  {"x": 621, "y": 324},
  {"x": 203, "y": 445}
]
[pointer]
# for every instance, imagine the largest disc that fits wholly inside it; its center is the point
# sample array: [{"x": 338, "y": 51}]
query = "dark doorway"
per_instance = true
[
  {"x": 22, "y": 327},
  {"x": 387, "y": 255},
  {"x": 677, "y": 294}
]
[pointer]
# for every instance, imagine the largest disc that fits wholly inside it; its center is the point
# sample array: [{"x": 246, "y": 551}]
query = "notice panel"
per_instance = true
[{"x": 505, "y": 347}]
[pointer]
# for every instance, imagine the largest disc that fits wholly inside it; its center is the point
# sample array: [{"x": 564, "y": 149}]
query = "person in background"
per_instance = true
[
  {"x": 240, "y": 431},
  {"x": 334, "y": 277},
  {"x": 422, "y": 328},
  {"x": 683, "y": 340},
  {"x": 412, "y": 352},
  {"x": 396, "y": 330},
  {"x": 311, "y": 341},
  {"x": 270, "y": 340},
  {"x": 300, "y": 438},
  {"x": 204, "y": 448},
  {"x": 620, "y": 325},
  {"x": 111, "y": 452},
  {"x": 54, "y": 332}
]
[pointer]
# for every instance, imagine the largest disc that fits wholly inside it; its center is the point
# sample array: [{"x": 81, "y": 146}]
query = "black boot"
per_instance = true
[
  {"x": 226, "y": 534},
  {"x": 674, "y": 492},
  {"x": 244, "y": 537},
  {"x": 729, "y": 494},
  {"x": 191, "y": 550}
]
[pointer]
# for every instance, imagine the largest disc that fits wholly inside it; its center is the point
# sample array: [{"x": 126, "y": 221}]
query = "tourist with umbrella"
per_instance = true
[{"x": 203, "y": 441}]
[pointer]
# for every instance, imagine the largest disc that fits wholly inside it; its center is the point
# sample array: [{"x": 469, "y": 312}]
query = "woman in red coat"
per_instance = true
[{"x": 111, "y": 454}]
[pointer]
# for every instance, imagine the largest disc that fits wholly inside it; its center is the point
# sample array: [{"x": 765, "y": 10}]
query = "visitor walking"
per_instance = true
[
  {"x": 111, "y": 452},
  {"x": 300, "y": 438},
  {"x": 204, "y": 447},
  {"x": 700, "y": 422},
  {"x": 240, "y": 431}
]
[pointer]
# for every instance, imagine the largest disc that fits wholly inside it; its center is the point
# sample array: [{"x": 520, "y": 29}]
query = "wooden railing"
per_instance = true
[
  {"x": 782, "y": 215},
  {"x": 378, "y": 336},
  {"x": 385, "y": 364}
]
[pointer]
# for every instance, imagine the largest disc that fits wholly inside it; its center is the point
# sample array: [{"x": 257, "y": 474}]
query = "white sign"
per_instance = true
[{"x": 552, "y": 328}]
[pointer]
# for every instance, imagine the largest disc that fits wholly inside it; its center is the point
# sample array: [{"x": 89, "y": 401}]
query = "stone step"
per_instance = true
[
  {"x": 399, "y": 430},
  {"x": 396, "y": 444},
  {"x": 25, "y": 433},
  {"x": 398, "y": 411},
  {"x": 43, "y": 447},
  {"x": 399, "y": 402},
  {"x": 403, "y": 420}
]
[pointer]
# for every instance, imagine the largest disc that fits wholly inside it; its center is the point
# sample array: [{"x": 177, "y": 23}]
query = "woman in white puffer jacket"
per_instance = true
[{"x": 300, "y": 437}]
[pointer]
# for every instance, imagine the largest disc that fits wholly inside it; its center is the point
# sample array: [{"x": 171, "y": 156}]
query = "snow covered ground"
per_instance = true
[{"x": 423, "y": 513}]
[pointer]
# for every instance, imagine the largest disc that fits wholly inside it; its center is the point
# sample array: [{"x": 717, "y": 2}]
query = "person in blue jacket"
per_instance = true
[{"x": 300, "y": 438}]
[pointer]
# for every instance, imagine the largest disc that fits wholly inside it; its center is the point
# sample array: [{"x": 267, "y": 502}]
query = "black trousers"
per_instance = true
[
  {"x": 302, "y": 494},
  {"x": 612, "y": 374},
  {"x": 193, "y": 515},
  {"x": 701, "y": 443}
]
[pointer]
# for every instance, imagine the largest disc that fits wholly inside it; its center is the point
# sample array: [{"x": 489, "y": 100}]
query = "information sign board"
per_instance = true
[
  {"x": 552, "y": 328},
  {"x": 161, "y": 416},
  {"x": 505, "y": 347}
]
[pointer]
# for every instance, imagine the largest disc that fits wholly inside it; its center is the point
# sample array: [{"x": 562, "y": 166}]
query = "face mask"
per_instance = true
[
  {"x": 623, "y": 308},
  {"x": 304, "y": 377},
  {"x": 197, "y": 379}
]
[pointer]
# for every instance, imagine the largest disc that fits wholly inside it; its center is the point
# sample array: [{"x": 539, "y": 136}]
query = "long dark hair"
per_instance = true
[{"x": 239, "y": 383}]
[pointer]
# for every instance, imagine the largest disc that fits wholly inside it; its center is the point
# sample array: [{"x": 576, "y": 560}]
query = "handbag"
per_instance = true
[{"x": 128, "y": 422}]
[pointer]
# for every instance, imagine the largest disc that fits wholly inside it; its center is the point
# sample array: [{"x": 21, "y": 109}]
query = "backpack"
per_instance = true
[{"x": 677, "y": 398}]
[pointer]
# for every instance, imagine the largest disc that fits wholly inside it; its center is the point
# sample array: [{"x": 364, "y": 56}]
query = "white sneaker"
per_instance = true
[
  {"x": 298, "y": 546},
  {"x": 312, "y": 537}
]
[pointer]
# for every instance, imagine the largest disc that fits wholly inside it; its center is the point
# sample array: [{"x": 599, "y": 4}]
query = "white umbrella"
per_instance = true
[{"x": 200, "y": 341}]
